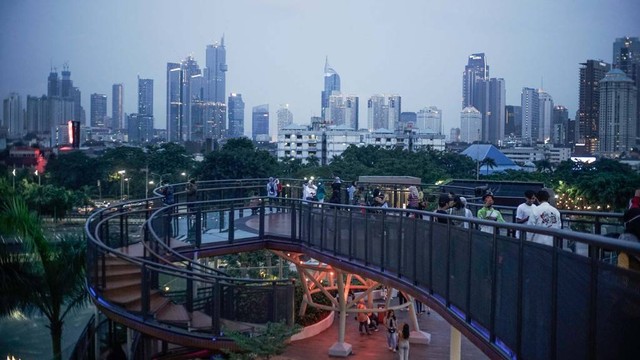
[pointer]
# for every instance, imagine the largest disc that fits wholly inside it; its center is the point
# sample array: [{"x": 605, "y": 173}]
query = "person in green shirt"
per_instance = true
[{"x": 487, "y": 212}]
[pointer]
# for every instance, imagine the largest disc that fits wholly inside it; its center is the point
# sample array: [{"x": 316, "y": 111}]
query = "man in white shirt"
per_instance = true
[
  {"x": 544, "y": 215},
  {"x": 523, "y": 212}
]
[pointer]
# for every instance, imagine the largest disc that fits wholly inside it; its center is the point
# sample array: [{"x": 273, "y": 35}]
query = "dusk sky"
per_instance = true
[{"x": 276, "y": 49}]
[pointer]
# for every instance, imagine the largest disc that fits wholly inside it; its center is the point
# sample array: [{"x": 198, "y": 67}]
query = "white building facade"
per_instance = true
[{"x": 470, "y": 125}]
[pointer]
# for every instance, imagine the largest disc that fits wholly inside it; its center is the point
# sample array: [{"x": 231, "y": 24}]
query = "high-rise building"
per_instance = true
[
  {"x": 470, "y": 125},
  {"x": 331, "y": 86},
  {"x": 284, "y": 116},
  {"x": 184, "y": 85},
  {"x": 145, "y": 96},
  {"x": 53, "y": 84},
  {"x": 530, "y": 115},
  {"x": 626, "y": 57},
  {"x": 408, "y": 119},
  {"x": 66, "y": 85},
  {"x": 591, "y": 72},
  {"x": 117, "y": 110},
  {"x": 236, "y": 115},
  {"x": 513, "y": 121},
  {"x": 383, "y": 112},
  {"x": 342, "y": 110},
  {"x": 617, "y": 127},
  {"x": 215, "y": 72},
  {"x": 476, "y": 69},
  {"x": 260, "y": 121},
  {"x": 78, "y": 110},
  {"x": 545, "y": 115},
  {"x": 560, "y": 126},
  {"x": 429, "y": 119},
  {"x": 175, "y": 116},
  {"x": 37, "y": 115},
  {"x": 98, "y": 110},
  {"x": 493, "y": 122},
  {"x": 140, "y": 128},
  {"x": 12, "y": 115}
]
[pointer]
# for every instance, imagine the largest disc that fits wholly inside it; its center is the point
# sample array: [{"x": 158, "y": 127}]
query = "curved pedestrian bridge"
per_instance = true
[{"x": 510, "y": 297}]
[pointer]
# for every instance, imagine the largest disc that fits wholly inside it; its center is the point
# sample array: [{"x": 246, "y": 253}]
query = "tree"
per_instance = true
[
  {"x": 238, "y": 159},
  {"x": 50, "y": 279},
  {"x": 489, "y": 163},
  {"x": 272, "y": 341}
]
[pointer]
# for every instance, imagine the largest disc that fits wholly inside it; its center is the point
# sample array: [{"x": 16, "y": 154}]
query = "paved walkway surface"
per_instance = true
[{"x": 374, "y": 346}]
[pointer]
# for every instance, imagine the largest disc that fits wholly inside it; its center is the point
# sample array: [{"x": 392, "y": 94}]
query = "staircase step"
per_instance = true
[
  {"x": 123, "y": 296},
  {"x": 200, "y": 321},
  {"x": 173, "y": 313},
  {"x": 122, "y": 283},
  {"x": 156, "y": 302}
]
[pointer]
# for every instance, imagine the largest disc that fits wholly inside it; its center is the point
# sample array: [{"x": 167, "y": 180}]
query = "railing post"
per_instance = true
[
  {"x": 293, "y": 220},
  {"x": 144, "y": 297},
  {"x": 557, "y": 245},
  {"x": 366, "y": 239},
  {"x": 323, "y": 227},
  {"x": 383, "y": 241},
  {"x": 189, "y": 299},
  {"x": 261, "y": 215},
  {"x": 198, "y": 227},
  {"x": 215, "y": 308},
  {"x": 336, "y": 228},
  {"x": 351, "y": 235},
  {"x": 121, "y": 229},
  {"x": 231, "y": 224},
  {"x": 494, "y": 286}
]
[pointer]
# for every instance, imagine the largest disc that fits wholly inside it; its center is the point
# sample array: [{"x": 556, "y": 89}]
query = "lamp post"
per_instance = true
[
  {"x": 121, "y": 172},
  {"x": 14, "y": 177},
  {"x": 38, "y": 175},
  {"x": 127, "y": 181}
]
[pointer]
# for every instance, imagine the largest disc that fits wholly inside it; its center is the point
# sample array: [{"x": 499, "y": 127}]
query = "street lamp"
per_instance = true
[
  {"x": 14, "y": 177},
  {"x": 38, "y": 175},
  {"x": 121, "y": 172},
  {"x": 127, "y": 181}
]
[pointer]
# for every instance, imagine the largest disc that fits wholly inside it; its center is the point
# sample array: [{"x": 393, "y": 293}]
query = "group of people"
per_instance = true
[
  {"x": 397, "y": 337},
  {"x": 313, "y": 192}
]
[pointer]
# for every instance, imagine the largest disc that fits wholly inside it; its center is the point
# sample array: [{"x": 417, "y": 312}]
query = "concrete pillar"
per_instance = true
[
  {"x": 417, "y": 336},
  {"x": 341, "y": 348},
  {"x": 456, "y": 344}
]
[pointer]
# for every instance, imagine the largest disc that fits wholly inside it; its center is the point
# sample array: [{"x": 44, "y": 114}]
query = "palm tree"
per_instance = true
[
  {"x": 38, "y": 274},
  {"x": 489, "y": 163}
]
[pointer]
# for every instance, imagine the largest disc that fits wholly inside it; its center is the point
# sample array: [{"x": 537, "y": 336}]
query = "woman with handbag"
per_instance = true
[{"x": 392, "y": 330}]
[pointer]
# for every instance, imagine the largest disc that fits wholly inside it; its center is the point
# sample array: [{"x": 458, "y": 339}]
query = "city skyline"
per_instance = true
[{"x": 281, "y": 60}]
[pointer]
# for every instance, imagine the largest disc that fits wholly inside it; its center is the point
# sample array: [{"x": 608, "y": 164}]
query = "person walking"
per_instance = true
[
  {"x": 403, "y": 342},
  {"x": 363, "y": 319},
  {"x": 392, "y": 330},
  {"x": 523, "y": 212},
  {"x": 351, "y": 192},
  {"x": 320, "y": 192},
  {"x": 335, "y": 191},
  {"x": 544, "y": 215}
]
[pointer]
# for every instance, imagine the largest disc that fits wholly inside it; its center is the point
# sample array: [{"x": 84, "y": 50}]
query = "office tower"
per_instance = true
[
  {"x": 66, "y": 85},
  {"x": 215, "y": 72},
  {"x": 626, "y": 57},
  {"x": 53, "y": 84},
  {"x": 78, "y": 110},
  {"x": 331, "y": 86},
  {"x": 617, "y": 127},
  {"x": 383, "y": 112},
  {"x": 475, "y": 70},
  {"x": 37, "y": 115},
  {"x": 591, "y": 72},
  {"x": 236, "y": 115},
  {"x": 140, "y": 128},
  {"x": 284, "y": 116},
  {"x": 117, "y": 111},
  {"x": 545, "y": 115},
  {"x": 180, "y": 95},
  {"x": 260, "y": 121},
  {"x": 145, "y": 96},
  {"x": 12, "y": 115},
  {"x": 429, "y": 119},
  {"x": 559, "y": 125},
  {"x": 208, "y": 120},
  {"x": 513, "y": 121},
  {"x": 470, "y": 125},
  {"x": 342, "y": 110},
  {"x": 408, "y": 119},
  {"x": 493, "y": 122},
  {"x": 530, "y": 115},
  {"x": 98, "y": 110}
]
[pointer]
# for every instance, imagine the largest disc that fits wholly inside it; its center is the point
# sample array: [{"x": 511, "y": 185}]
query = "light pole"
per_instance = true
[
  {"x": 127, "y": 181},
  {"x": 14, "y": 177},
  {"x": 121, "y": 172},
  {"x": 38, "y": 175}
]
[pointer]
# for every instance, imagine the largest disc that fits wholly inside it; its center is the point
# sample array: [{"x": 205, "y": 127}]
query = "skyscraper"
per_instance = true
[
  {"x": 236, "y": 115},
  {"x": 117, "y": 111},
  {"x": 53, "y": 84},
  {"x": 591, "y": 72},
  {"x": 560, "y": 126},
  {"x": 530, "y": 115},
  {"x": 184, "y": 85},
  {"x": 98, "y": 110},
  {"x": 476, "y": 69},
  {"x": 215, "y": 72},
  {"x": 37, "y": 115},
  {"x": 513, "y": 121},
  {"x": 342, "y": 110},
  {"x": 12, "y": 115},
  {"x": 617, "y": 117},
  {"x": 383, "y": 112},
  {"x": 331, "y": 86},
  {"x": 493, "y": 123},
  {"x": 626, "y": 57},
  {"x": 145, "y": 96},
  {"x": 175, "y": 116},
  {"x": 284, "y": 115},
  {"x": 260, "y": 121},
  {"x": 545, "y": 115},
  {"x": 470, "y": 125}
]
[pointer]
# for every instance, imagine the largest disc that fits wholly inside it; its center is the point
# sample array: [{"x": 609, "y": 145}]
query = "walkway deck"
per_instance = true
[{"x": 363, "y": 346}]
